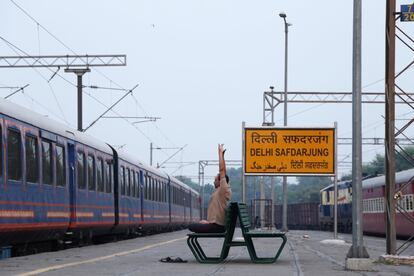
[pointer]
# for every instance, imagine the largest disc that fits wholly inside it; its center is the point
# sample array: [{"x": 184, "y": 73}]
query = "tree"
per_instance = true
[
  {"x": 308, "y": 187},
  {"x": 403, "y": 161},
  {"x": 189, "y": 182}
]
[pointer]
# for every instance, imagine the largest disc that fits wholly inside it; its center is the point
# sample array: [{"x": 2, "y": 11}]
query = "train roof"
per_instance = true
[
  {"x": 37, "y": 120},
  {"x": 345, "y": 183},
  {"x": 400, "y": 177},
  {"x": 126, "y": 156}
]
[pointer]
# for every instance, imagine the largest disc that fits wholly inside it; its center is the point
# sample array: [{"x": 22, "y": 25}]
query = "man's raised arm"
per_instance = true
[{"x": 222, "y": 163}]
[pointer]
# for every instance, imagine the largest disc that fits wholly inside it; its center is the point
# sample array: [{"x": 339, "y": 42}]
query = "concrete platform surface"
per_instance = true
[{"x": 304, "y": 254}]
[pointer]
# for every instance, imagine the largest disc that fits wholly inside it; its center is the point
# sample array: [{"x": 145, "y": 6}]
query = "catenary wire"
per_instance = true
[{"x": 71, "y": 50}]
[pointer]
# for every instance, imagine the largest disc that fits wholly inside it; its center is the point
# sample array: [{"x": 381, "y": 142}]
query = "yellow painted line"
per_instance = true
[{"x": 56, "y": 267}]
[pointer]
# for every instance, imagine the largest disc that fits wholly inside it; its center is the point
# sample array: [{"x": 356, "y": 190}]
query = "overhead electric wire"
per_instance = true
[
  {"x": 44, "y": 107},
  {"x": 41, "y": 26},
  {"x": 13, "y": 47},
  {"x": 101, "y": 103},
  {"x": 71, "y": 50}
]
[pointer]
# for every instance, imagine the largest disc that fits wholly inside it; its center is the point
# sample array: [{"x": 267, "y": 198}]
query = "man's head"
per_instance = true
[{"x": 217, "y": 180}]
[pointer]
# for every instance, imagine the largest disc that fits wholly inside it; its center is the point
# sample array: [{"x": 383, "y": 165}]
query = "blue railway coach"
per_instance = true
[{"x": 60, "y": 184}]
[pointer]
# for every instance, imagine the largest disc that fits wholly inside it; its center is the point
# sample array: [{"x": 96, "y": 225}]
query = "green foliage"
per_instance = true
[
  {"x": 308, "y": 188},
  {"x": 403, "y": 161},
  {"x": 189, "y": 182}
]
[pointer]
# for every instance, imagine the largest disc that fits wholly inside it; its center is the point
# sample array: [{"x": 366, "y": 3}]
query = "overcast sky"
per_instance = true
[{"x": 201, "y": 66}]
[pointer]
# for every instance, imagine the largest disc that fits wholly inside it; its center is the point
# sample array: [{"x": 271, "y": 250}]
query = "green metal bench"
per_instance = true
[
  {"x": 248, "y": 235},
  {"x": 192, "y": 240}
]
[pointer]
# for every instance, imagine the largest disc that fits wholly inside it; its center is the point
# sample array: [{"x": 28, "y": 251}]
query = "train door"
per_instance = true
[
  {"x": 141, "y": 191},
  {"x": 169, "y": 197},
  {"x": 190, "y": 204},
  {"x": 72, "y": 184},
  {"x": 184, "y": 202}
]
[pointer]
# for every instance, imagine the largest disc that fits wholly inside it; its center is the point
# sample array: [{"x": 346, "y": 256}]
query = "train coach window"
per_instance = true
[
  {"x": 122, "y": 180},
  {"x": 164, "y": 196},
  {"x": 137, "y": 190},
  {"x": 108, "y": 177},
  {"x": 150, "y": 189},
  {"x": 80, "y": 166},
  {"x": 145, "y": 187},
  {"x": 156, "y": 190},
  {"x": 133, "y": 184},
  {"x": 410, "y": 203},
  {"x": 47, "y": 170},
  {"x": 160, "y": 191},
  {"x": 60, "y": 166},
  {"x": 32, "y": 160},
  {"x": 99, "y": 175},
  {"x": 91, "y": 173},
  {"x": 14, "y": 158},
  {"x": 128, "y": 182}
]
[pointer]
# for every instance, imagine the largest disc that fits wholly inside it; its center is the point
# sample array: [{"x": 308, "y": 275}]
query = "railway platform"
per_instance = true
[{"x": 306, "y": 253}]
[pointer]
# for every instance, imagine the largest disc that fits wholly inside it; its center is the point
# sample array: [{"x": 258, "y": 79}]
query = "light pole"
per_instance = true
[{"x": 284, "y": 212}]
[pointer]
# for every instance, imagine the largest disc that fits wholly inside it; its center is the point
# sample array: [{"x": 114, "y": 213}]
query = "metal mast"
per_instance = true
[{"x": 389, "y": 128}]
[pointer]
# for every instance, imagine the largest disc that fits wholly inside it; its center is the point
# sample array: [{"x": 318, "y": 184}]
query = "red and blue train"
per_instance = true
[
  {"x": 59, "y": 184},
  {"x": 373, "y": 195}
]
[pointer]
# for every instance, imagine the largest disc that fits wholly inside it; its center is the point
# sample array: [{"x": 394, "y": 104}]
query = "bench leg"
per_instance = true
[
  {"x": 256, "y": 259},
  {"x": 193, "y": 249},
  {"x": 284, "y": 240},
  {"x": 197, "y": 246},
  {"x": 199, "y": 254}
]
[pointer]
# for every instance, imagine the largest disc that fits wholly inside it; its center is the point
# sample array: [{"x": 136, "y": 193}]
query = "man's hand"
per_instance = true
[{"x": 221, "y": 149}]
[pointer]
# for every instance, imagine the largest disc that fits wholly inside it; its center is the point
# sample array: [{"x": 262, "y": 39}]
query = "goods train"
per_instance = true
[
  {"x": 373, "y": 194},
  {"x": 299, "y": 216},
  {"x": 58, "y": 184}
]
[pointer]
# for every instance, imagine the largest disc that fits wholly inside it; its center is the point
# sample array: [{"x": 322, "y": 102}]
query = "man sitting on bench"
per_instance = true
[{"x": 216, "y": 212}]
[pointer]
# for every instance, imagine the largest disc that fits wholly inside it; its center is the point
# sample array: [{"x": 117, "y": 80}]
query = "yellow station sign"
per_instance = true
[{"x": 289, "y": 151}]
